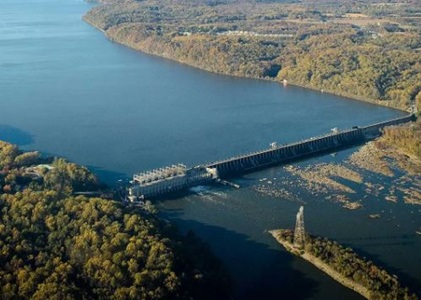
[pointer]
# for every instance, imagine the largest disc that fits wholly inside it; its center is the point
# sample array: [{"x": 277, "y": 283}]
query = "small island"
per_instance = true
[{"x": 341, "y": 263}]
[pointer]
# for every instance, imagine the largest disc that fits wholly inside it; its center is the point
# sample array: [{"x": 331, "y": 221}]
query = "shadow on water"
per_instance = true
[
  {"x": 15, "y": 135},
  {"x": 110, "y": 178},
  {"x": 21, "y": 138},
  {"x": 258, "y": 272}
]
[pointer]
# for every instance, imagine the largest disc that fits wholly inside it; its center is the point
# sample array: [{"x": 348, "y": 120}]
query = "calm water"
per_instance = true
[{"x": 66, "y": 90}]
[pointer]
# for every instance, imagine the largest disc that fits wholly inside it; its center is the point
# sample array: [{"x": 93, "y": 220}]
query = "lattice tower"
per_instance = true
[{"x": 299, "y": 233}]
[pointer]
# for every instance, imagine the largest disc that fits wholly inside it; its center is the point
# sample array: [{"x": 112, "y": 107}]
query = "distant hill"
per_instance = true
[{"x": 369, "y": 51}]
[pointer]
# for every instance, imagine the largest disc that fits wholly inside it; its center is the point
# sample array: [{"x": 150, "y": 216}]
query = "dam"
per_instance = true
[{"x": 177, "y": 177}]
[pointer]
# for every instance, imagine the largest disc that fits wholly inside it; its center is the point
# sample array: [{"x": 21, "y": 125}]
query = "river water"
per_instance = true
[{"x": 66, "y": 90}]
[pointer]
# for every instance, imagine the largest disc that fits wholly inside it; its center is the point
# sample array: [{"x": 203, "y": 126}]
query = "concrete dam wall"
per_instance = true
[
  {"x": 155, "y": 183},
  {"x": 295, "y": 151}
]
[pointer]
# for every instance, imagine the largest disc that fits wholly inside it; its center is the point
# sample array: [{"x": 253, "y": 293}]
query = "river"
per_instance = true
[{"x": 66, "y": 90}]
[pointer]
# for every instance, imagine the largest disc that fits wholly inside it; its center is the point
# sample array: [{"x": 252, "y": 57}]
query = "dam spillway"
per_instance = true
[{"x": 156, "y": 183}]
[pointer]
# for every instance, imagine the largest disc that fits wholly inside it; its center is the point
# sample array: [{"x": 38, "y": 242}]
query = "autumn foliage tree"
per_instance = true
[{"x": 54, "y": 245}]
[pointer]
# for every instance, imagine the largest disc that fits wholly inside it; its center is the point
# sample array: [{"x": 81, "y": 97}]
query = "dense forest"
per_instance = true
[
  {"x": 55, "y": 245},
  {"x": 407, "y": 139},
  {"x": 344, "y": 260},
  {"x": 368, "y": 50}
]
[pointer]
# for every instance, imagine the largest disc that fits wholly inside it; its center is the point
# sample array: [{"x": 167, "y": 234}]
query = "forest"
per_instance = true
[
  {"x": 368, "y": 50},
  {"x": 407, "y": 139},
  {"x": 55, "y": 245},
  {"x": 344, "y": 260}
]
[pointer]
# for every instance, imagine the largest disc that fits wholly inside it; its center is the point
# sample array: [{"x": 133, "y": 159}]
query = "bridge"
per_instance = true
[{"x": 162, "y": 181}]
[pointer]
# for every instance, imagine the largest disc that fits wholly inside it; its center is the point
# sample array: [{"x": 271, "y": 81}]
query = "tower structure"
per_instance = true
[{"x": 299, "y": 233}]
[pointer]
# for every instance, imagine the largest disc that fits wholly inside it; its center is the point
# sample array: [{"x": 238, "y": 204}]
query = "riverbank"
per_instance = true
[
  {"x": 344, "y": 266},
  {"x": 57, "y": 244},
  {"x": 113, "y": 36},
  {"x": 195, "y": 36}
]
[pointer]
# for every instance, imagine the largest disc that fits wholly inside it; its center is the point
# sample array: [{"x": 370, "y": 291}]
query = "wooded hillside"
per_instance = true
[
  {"x": 367, "y": 50},
  {"x": 54, "y": 245}
]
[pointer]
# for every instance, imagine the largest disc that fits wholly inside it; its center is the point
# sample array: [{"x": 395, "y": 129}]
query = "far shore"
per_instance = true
[{"x": 279, "y": 81}]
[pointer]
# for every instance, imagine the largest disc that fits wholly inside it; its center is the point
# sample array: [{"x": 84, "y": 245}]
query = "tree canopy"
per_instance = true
[
  {"x": 368, "y": 51},
  {"x": 54, "y": 245}
]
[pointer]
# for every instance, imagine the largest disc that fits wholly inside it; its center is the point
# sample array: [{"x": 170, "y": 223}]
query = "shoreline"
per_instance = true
[
  {"x": 323, "y": 267},
  {"x": 315, "y": 89}
]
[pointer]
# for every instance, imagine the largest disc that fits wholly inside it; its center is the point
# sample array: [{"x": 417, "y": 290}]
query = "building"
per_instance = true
[{"x": 161, "y": 181}]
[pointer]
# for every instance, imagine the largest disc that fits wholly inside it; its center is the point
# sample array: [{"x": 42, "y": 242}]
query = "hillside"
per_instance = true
[
  {"x": 368, "y": 51},
  {"x": 55, "y": 245}
]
